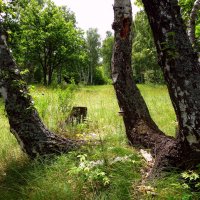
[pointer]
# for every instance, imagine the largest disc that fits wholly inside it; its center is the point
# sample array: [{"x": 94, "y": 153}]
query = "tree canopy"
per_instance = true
[
  {"x": 45, "y": 40},
  {"x": 106, "y": 53},
  {"x": 144, "y": 57}
]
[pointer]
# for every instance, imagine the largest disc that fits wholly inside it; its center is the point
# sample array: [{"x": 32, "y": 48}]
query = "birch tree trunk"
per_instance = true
[
  {"x": 25, "y": 123},
  {"x": 180, "y": 66},
  {"x": 192, "y": 22},
  {"x": 181, "y": 70},
  {"x": 135, "y": 112}
]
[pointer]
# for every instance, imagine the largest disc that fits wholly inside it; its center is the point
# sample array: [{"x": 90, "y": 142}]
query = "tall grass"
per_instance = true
[
  {"x": 102, "y": 106},
  {"x": 160, "y": 107},
  {"x": 53, "y": 104},
  {"x": 9, "y": 148},
  {"x": 70, "y": 176}
]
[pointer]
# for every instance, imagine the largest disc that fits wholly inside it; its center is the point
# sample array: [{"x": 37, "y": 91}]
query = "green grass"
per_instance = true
[
  {"x": 160, "y": 107},
  {"x": 69, "y": 177}
]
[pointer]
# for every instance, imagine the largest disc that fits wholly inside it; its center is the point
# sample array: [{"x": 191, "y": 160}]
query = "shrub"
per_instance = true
[
  {"x": 153, "y": 76},
  {"x": 99, "y": 77}
]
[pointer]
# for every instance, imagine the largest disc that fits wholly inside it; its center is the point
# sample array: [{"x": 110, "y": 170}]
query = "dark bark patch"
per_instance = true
[
  {"x": 78, "y": 115},
  {"x": 194, "y": 85},
  {"x": 125, "y": 29}
]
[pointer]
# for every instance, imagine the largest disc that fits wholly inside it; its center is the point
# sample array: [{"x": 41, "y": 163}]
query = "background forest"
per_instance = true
[{"x": 49, "y": 47}]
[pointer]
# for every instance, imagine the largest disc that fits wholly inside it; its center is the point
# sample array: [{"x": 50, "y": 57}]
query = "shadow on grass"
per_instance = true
[
  {"x": 18, "y": 177},
  {"x": 40, "y": 179},
  {"x": 50, "y": 179}
]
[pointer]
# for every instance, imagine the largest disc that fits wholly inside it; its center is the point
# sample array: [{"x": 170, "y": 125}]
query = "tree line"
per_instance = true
[{"x": 48, "y": 45}]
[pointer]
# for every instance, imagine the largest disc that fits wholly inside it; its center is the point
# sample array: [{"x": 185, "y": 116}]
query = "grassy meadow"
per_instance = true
[{"x": 109, "y": 170}]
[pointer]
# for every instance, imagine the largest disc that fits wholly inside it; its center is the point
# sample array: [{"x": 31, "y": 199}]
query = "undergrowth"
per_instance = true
[{"x": 108, "y": 168}]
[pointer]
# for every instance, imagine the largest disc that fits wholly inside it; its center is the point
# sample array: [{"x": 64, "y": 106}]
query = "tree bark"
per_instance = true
[
  {"x": 91, "y": 74},
  {"x": 181, "y": 72},
  {"x": 59, "y": 74},
  {"x": 25, "y": 123},
  {"x": 140, "y": 128},
  {"x": 180, "y": 66},
  {"x": 50, "y": 74},
  {"x": 192, "y": 22},
  {"x": 44, "y": 75}
]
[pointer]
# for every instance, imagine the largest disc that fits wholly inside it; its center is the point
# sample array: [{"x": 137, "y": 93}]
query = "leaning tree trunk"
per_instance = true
[
  {"x": 131, "y": 103},
  {"x": 140, "y": 128},
  {"x": 25, "y": 123}
]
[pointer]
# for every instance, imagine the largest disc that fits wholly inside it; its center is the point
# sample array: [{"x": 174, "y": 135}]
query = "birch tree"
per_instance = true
[{"x": 180, "y": 66}]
